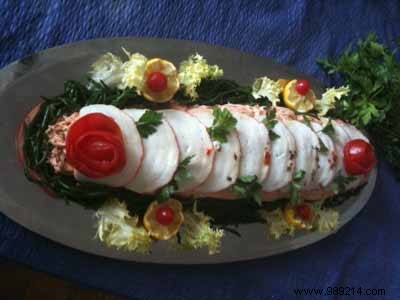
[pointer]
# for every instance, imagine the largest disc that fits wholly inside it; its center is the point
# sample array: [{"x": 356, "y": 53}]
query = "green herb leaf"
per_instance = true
[
  {"x": 148, "y": 122},
  {"x": 182, "y": 174},
  {"x": 322, "y": 146},
  {"x": 295, "y": 186},
  {"x": 166, "y": 192},
  {"x": 306, "y": 121},
  {"x": 270, "y": 121},
  {"x": 328, "y": 129},
  {"x": 222, "y": 126},
  {"x": 247, "y": 187},
  {"x": 340, "y": 182}
]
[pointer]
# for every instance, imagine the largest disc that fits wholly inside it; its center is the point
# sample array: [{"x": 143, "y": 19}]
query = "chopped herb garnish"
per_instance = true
[
  {"x": 222, "y": 126},
  {"x": 322, "y": 146},
  {"x": 148, "y": 122},
  {"x": 295, "y": 186},
  {"x": 307, "y": 121},
  {"x": 328, "y": 129},
  {"x": 247, "y": 187},
  {"x": 270, "y": 121},
  {"x": 181, "y": 175}
]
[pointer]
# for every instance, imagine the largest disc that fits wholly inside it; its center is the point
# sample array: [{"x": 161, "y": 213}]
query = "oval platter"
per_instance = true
[{"x": 42, "y": 74}]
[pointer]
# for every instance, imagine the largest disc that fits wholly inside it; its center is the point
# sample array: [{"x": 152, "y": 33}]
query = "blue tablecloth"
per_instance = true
[{"x": 365, "y": 253}]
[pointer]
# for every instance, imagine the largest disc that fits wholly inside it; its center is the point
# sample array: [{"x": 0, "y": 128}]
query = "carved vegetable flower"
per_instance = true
[
  {"x": 163, "y": 220},
  {"x": 160, "y": 81}
]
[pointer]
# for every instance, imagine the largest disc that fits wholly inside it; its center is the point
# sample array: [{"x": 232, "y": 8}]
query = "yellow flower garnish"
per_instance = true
[
  {"x": 168, "y": 70},
  {"x": 153, "y": 223}
]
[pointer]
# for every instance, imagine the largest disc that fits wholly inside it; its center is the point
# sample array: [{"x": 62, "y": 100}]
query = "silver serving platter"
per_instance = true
[{"x": 42, "y": 74}]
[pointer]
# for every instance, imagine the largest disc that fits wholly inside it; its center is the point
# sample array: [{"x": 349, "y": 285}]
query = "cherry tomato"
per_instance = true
[
  {"x": 304, "y": 212},
  {"x": 359, "y": 157},
  {"x": 157, "y": 82},
  {"x": 302, "y": 86},
  {"x": 165, "y": 215},
  {"x": 94, "y": 146}
]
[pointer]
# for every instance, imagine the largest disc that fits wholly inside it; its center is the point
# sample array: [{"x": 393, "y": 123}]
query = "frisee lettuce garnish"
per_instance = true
[
  {"x": 265, "y": 87},
  {"x": 196, "y": 232},
  {"x": 117, "y": 228},
  {"x": 222, "y": 125},
  {"x": 148, "y": 122}
]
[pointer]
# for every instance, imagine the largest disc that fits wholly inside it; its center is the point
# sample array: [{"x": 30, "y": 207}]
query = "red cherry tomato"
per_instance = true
[
  {"x": 157, "y": 82},
  {"x": 304, "y": 212},
  {"x": 95, "y": 147},
  {"x": 165, "y": 215},
  {"x": 302, "y": 86},
  {"x": 359, "y": 157}
]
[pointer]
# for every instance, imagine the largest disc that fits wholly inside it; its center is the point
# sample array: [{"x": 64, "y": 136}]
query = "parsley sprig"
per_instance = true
[
  {"x": 247, "y": 187},
  {"x": 222, "y": 126},
  {"x": 295, "y": 186},
  {"x": 182, "y": 174},
  {"x": 372, "y": 71},
  {"x": 148, "y": 122},
  {"x": 270, "y": 121}
]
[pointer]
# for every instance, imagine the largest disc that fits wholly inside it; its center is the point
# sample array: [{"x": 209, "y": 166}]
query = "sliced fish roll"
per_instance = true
[
  {"x": 193, "y": 141},
  {"x": 327, "y": 159},
  {"x": 254, "y": 145},
  {"x": 307, "y": 146},
  {"x": 132, "y": 142},
  {"x": 341, "y": 137},
  {"x": 283, "y": 156},
  {"x": 161, "y": 157},
  {"x": 227, "y": 156}
]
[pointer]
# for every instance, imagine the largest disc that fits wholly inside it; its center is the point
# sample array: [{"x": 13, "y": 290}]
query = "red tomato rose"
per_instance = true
[{"x": 95, "y": 146}]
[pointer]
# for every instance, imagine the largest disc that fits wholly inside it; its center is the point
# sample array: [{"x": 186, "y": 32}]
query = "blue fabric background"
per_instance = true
[{"x": 366, "y": 253}]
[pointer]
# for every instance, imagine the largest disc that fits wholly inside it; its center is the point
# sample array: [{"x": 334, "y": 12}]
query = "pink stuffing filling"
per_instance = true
[{"x": 57, "y": 135}]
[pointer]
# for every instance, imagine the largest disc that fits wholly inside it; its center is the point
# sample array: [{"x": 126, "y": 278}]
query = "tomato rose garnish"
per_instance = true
[
  {"x": 359, "y": 157},
  {"x": 95, "y": 146}
]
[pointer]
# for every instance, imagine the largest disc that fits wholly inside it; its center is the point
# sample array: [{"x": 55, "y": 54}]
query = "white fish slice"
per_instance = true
[
  {"x": 254, "y": 145},
  {"x": 132, "y": 141},
  {"x": 283, "y": 156},
  {"x": 161, "y": 157},
  {"x": 307, "y": 146},
  {"x": 227, "y": 156},
  {"x": 193, "y": 140},
  {"x": 327, "y": 161}
]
